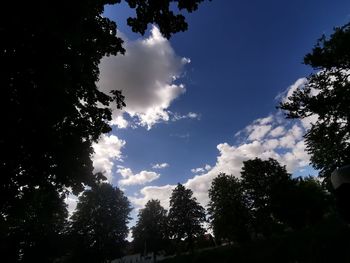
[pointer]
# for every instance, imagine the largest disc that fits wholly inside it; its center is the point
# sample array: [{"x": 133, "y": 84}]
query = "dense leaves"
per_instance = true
[
  {"x": 150, "y": 231},
  {"x": 327, "y": 97},
  {"x": 228, "y": 209},
  {"x": 186, "y": 216},
  {"x": 99, "y": 224},
  {"x": 265, "y": 184}
]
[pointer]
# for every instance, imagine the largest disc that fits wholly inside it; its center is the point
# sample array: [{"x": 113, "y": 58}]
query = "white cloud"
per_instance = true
[
  {"x": 160, "y": 165},
  {"x": 162, "y": 193},
  {"x": 207, "y": 167},
  {"x": 106, "y": 151},
  {"x": 146, "y": 75},
  {"x": 257, "y": 132},
  {"x": 143, "y": 177},
  {"x": 278, "y": 131},
  {"x": 190, "y": 115},
  {"x": 198, "y": 170}
]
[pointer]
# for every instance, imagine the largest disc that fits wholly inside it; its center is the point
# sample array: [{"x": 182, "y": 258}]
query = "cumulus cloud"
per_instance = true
[
  {"x": 160, "y": 165},
  {"x": 147, "y": 76},
  {"x": 106, "y": 151},
  {"x": 207, "y": 167},
  {"x": 129, "y": 178},
  {"x": 198, "y": 170},
  {"x": 162, "y": 193}
]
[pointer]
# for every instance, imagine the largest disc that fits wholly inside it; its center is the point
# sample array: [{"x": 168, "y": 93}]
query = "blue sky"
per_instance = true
[{"x": 205, "y": 100}]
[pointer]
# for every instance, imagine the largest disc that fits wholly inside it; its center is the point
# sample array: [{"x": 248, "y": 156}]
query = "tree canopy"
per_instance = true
[
  {"x": 228, "y": 209},
  {"x": 186, "y": 216},
  {"x": 150, "y": 231},
  {"x": 265, "y": 183},
  {"x": 326, "y": 96},
  {"x": 99, "y": 224}
]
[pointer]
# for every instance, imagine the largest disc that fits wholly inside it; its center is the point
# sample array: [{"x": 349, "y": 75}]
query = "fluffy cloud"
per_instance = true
[
  {"x": 161, "y": 193},
  {"x": 129, "y": 178},
  {"x": 106, "y": 152},
  {"x": 160, "y": 165},
  {"x": 146, "y": 75},
  {"x": 207, "y": 167}
]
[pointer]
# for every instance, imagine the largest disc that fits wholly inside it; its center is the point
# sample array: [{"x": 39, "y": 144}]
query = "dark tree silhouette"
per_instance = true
[
  {"x": 150, "y": 232},
  {"x": 265, "y": 184},
  {"x": 228, "y": 209},
  {"x": 34, "y": 231},
  {"x": 186, "y": 216},
  {"x": 99, "y": 224},
  {"x": 50, "y": 104},
  {"x": 327, "y": 96},
  {"x": 305, "y": 203}
]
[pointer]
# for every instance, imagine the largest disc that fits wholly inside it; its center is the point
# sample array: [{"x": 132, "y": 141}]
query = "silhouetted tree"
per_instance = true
[
  {"x": 228, "y": 209},
  {"x": 326, "y": 96},
  {"x": 265, "y": 184},
  {"x": 99, "y": 224},
  {"x": 53, "y": 110},
  {"x": 34, "y": 230},
  {"x": 186, "y": 216},
  {"x": 150, "y": 231},
  {"x": 305, "y": 203}
]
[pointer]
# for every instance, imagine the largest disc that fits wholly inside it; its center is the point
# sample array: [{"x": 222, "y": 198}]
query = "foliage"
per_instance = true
[
  {"x": 228, "y": 209},
  {"x": 34, "y": 231},
  {"x": 150, "y": 231},
  {"x": 326, "y": 96},
  {"x": 99, "y": 224},
  {"x": 305, "y": 203},
  {"x": 265, "y": 184},
  {"x": 186, "y": 216}
]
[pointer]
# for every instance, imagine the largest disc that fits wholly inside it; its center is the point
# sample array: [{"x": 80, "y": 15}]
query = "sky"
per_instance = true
[{"x": 204, "y": 101}]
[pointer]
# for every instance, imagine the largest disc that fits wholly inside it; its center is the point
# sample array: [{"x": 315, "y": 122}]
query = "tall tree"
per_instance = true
[
  {"x": 228, "y": 209},
  {"x": 327, "y": 97},
  {"x": 99, "y": 224},
  {"x": 150, "y": 231},
  {"x": 186, "y": 216},
  {"x": 265, "y": 184}
]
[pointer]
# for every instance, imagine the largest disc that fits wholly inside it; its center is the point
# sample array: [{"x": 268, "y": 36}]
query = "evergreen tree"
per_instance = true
[
  {"x": 186, "y": 216},
  {"x": 150, "y": 231}
]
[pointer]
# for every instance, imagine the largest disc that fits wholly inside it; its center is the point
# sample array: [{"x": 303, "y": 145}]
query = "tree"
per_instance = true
[
  {"x": 326, "y": 96},
  {"x": 150, "y": 231},
  {"x": 265, "y": 185},
  {"x": 99, "y": 224},
  {"x": 51, "y": 107},
  {"x": 37, "y": 232},
  {"x": 186, "y": 216},
  {"x": 305, "y": 203},
  {"x": 228, "y": 209}
]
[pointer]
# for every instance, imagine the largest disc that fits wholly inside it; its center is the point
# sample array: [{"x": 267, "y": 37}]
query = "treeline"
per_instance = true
[{"x": 264, "y": 202}]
